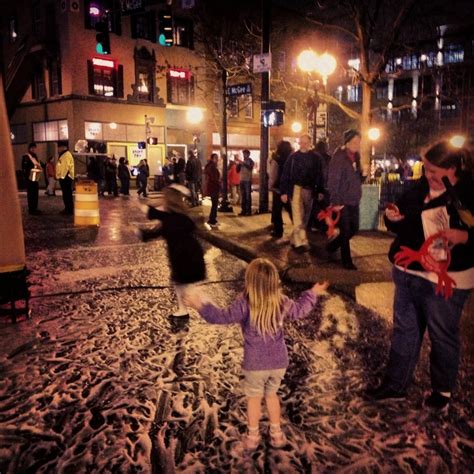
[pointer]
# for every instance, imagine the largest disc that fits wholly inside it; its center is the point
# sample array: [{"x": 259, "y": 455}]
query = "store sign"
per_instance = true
[
  {"x": 93, "y": 130},
  {"x": 103, "y": 62},
  {"x": 135, "y": 154},
  {"x": 239, "y": 89},
  {"x": 179, "y": 73}
]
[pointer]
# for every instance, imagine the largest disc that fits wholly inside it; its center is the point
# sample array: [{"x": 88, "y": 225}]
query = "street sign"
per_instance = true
[
  {"x": 239, "y": 89},
  {"x": 262, "y": 62}
]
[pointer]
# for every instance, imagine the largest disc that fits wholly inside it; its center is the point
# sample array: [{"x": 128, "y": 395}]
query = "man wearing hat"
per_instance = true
[
  {"x": 65, "y": 175},
  {"x": 345, "y": 190},
  {"x": 32, "y": 168}
]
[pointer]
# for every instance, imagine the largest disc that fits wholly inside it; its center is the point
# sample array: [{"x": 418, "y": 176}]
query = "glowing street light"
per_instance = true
[
  {"x": 194, "y": 115},
  {"x": 113, "y": 125},
  {"x": 457, "y": 141},
  {"x": 309, "y": 61},
  {"x": 374, "y": 134},
  {"x": 296, "y": 127}
]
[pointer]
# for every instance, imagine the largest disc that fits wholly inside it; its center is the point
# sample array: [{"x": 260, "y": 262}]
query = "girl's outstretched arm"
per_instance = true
[
  {"x": 304, "y": 304},
  {"x": 235, "y": 313}
]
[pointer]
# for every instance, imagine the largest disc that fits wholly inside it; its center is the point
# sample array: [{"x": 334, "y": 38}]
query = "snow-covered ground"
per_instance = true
[{"x": 98, "y": 381}]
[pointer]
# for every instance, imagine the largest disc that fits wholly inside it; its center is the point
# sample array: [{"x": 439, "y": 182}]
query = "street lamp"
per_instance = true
[
  {"x": 373, "y": 135},
  {"x": 296, "y": 127},
  {"x": 194, "y": 115},
  {"x": 457, "y": 141},
  {"x": 324, "y": 65}
]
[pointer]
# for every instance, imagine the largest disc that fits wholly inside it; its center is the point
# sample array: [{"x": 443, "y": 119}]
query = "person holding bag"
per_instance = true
[{"x": 32, "y": 170}]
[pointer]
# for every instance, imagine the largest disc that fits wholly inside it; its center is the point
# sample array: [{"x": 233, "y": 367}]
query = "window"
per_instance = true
[
  {"x": 180, "y": 87},
  {"x": 403, "y": 87},
  {"x": 233, "y": 107},
  {"x": 51, "y": 131},
  {"x": 145, "y": 65},
  {"x": 144, "y": 26},
  {"x": 354, "y": 94},
  {"x": 382, "y": 91},
  {"x": 38, "y": 88},
  {"x": 248, "y": 106},
  {"x": 183, "y": 33},
  {"x": 217, "y": 100},
  {"x": 36, "y": 17},
  {"x": 105, "y": 79},
  {"x": 94, "y": 11},
  {"x": 54, "y": 71},
  {"x": 282, "y": 61},
  {"x": 453, "y": 53},
  {"x": 18, "y": 133}
]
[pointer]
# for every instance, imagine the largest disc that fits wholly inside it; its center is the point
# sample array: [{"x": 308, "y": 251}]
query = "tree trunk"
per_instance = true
[{"x": 364, "y": 128}]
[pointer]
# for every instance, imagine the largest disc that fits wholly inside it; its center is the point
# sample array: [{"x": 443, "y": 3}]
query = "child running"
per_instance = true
[
  {"x": 184, "y": 251},
  {"x": 261, "y": 310}
]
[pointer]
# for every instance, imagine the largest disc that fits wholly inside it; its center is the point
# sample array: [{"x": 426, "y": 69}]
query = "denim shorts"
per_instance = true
[{"x": 258, "y": 383}]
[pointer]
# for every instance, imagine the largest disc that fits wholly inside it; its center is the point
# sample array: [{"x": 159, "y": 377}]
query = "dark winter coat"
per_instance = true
[
  {"x": 410, "y": 232},
  {"x": 211, "y": 179},
  {"x": 185, "y": 252},
  {"x": 304, "y": 169},
  {"x": 123, "y": 172},
  {"x": 344, "y": 179},
  {"x": 142, "y": 173},
  {"x": 191, "y": 170}
]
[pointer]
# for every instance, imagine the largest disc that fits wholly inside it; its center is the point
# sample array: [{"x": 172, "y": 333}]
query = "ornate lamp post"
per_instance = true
[
  {"x": 324, "y": 65},
  {"x": 373, "y": 135}
]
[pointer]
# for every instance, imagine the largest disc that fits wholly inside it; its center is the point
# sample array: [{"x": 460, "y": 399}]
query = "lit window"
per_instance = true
[
  {"x": 50, "y": 131},
  {"x": 180, "y": 87},
  {"x": 453, "y": 53},
  {"x": 183, "y": 33},
  {"x": 233, "y": 106},
  {"x": 104, "y": 78},
  {"x": 248, "y": 106}
]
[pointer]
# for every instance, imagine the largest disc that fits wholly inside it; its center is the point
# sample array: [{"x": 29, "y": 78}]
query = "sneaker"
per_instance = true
[
  {"x": 437, "y": 401},
  {"x": 251, "y": 441},
  {"x": 384, "y": 392},
  {"x": 278, "y": 439},
  {"x": 207, "y": 226}
]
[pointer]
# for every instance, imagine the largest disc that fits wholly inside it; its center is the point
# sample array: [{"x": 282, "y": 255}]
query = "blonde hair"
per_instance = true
[
  {"x": 174, "y": 201},
  {"x": 262, "y": 289}
]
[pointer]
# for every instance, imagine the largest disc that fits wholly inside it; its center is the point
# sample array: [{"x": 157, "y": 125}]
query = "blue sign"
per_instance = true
[{"x": 239, "y": 89}]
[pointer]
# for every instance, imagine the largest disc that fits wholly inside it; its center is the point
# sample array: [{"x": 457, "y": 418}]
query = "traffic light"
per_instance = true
[
  {"x": 102, "y": 37},
  {"x": 165, "y": 27}
]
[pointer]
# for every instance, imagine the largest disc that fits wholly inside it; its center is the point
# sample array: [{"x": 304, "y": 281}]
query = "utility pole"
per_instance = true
[
  {"x": 225, "y": 205},
  {"x": 266, "y": 24}
]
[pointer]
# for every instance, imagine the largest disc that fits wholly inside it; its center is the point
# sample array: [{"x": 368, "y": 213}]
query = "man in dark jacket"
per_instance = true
[
  {"x": 192, "y": 177},
  {"x": 32, "y": 170},
  {"x": 302, "y": 177},
  {"x": 212, "y": 188},
  {"x": 345, "y": 191}
]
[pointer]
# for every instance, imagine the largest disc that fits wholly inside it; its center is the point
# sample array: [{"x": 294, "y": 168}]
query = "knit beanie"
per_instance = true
[{"x": 349, "y": 134}]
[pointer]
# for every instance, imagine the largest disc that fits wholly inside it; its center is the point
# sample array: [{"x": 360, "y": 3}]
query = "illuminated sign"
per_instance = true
[
  {"x": 94, "y": 11},
  {"x": 179, "y": 73},
  {"x": 103, "y": 62}
]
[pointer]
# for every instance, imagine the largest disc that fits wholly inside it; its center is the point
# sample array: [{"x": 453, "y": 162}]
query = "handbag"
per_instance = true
[{"x": 35, "y": 175}]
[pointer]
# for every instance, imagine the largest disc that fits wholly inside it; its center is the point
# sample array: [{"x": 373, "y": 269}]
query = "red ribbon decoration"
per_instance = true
[
  {"x": 331, "y": 217},
  {"x": 406, "y": 256}
]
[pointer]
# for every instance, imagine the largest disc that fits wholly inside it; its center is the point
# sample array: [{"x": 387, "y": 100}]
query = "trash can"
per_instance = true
[
  {"x": 369, "y": 207},
  {"x": 86, "y": 205}
]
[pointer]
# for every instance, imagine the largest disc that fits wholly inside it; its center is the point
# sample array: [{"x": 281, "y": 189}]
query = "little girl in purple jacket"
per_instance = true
[{"x": 260, "y": 311}]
